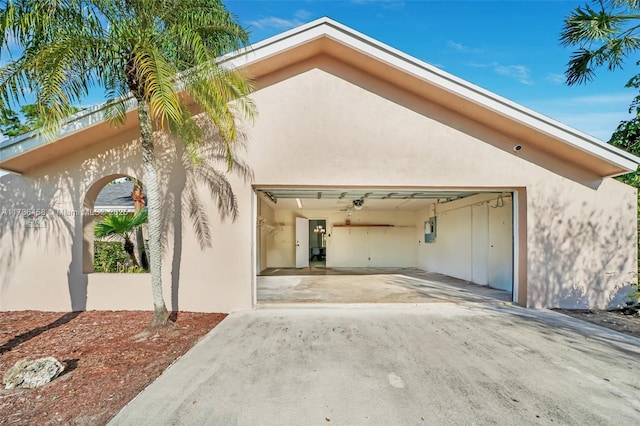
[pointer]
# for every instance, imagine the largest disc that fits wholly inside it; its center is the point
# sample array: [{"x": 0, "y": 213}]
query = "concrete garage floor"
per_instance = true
[{"x": 368, "y": 285}]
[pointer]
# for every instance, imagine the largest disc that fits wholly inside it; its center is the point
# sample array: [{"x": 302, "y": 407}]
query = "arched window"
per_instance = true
[{"x": 112, "y": 199}]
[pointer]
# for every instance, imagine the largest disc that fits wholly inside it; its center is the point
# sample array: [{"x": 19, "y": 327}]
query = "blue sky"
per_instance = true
[{"x": 508, "y": 47}]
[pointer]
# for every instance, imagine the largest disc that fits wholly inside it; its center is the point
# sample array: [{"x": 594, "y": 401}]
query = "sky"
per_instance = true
[{"x": 511, "y": 48}]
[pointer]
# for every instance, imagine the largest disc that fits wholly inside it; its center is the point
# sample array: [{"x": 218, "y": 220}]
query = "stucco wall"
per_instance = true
[
  {"x": 45, "y": 268},
  {"x": 578, "y": 237}
]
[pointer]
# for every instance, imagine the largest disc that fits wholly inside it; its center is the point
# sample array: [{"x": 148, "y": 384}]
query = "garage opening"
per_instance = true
[{"x": 407, "y": 244}]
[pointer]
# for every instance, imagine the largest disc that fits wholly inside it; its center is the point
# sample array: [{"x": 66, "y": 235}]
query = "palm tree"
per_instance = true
[
  {"x": 604, "y": 36},
  {"x": 122, "y": 225},
  {"x": 135, "y": 49}
]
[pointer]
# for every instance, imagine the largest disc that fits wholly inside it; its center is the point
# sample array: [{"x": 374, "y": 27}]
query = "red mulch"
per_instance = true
[{"x": 110, "y": 358}]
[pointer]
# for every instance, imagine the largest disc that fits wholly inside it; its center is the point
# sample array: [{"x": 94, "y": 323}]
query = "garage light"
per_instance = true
[{"x": 299, "y": 203}]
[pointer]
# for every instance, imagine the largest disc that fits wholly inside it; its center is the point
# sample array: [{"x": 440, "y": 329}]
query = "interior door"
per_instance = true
[
  {"x": 302, "y": 242},
  {"x": 480, "y": 244}
]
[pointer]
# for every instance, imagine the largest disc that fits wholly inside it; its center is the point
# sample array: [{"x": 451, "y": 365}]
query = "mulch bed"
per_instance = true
[{"x": 110, "y": 358}]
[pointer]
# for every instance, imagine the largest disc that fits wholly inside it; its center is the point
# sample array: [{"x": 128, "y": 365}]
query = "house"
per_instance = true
[
  {"x": 116, "y": 198},
  {"x": 397, "y": 163}
]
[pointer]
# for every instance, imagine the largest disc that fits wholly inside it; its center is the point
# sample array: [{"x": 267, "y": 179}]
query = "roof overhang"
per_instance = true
[
  {"x": 325, "y": 37},
  {"x": 82, "y": 130}
]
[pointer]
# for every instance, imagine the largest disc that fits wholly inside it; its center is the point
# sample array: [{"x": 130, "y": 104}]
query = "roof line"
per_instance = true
[
  {"x": 327, "y": 27},
  {"x": 449, "y": 82}
]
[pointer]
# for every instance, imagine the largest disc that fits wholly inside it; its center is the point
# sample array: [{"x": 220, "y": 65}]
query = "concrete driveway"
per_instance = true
[{"x": 441, "y": 363}]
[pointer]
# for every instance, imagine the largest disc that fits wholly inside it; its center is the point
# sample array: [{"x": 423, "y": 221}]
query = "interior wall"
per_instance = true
[
  {"x": 372, "y": 247},
  {"x": 450, "y": 254},
  {"x": 473, "y": 240},
  {"x": 353, "y": 246}
]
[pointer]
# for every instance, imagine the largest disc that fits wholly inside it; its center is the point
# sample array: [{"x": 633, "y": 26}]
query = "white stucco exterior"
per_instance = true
[{"x": 565, "y": 234}]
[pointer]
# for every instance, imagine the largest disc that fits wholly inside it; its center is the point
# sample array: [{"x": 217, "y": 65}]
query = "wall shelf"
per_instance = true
[{"x": 361, "y": 225}]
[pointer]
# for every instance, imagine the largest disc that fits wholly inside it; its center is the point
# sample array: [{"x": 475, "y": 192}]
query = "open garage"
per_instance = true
[
  {"x": 381, "y": 233},
  {"x": 362, "y": 159}
]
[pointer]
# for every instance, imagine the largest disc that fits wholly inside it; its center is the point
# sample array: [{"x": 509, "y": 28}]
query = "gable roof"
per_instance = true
[{"x": 327, "y": 37}]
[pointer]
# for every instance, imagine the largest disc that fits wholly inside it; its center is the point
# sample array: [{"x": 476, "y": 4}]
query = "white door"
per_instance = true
[
  {"x": 302, "y": 242},
  {"x": 480, "y": 244},
  {"x": 501, "y": 247}
]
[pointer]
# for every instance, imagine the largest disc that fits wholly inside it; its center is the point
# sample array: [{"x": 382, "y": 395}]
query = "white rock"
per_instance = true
[{"x": 32, "y": 374}]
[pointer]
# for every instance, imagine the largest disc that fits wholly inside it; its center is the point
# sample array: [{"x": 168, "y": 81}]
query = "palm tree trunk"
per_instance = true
[
  {"x": 160, "y": 313},
  {"x": 139, "y": 204},
  {"x": 129, "y": 248}
]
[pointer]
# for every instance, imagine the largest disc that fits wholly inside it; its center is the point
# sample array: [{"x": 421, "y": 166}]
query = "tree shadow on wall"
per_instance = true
[
  {"x": 60, "y": 187},
  {"x": 580, "y": 258},
  {"x": 54, "y": 191},
  {"x": 31, "y": 216},
  {"x": 189, "y": 174}
]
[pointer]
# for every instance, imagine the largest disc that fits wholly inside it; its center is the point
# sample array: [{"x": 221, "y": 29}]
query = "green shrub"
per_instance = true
[{"x": 109, "y": 256}]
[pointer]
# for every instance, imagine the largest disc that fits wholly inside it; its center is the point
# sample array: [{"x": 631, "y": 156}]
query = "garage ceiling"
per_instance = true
[{"x": 332, "y": 199}]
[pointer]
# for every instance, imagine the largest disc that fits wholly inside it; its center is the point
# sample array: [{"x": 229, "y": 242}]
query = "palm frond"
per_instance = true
[
  {"x": 191, "y": 134},
  {"x": 157, "y": 77},
  {"x": 223, "y": 95},
  {"x": 603, "y": 37},
  {"x": 119, "y": 224}
]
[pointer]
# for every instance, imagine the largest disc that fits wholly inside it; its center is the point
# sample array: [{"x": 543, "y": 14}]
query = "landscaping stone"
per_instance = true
[{"x": 32, "y": 374}]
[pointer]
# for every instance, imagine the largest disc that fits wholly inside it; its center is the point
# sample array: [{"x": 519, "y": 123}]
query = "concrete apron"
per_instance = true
[
  {"x": 384, "y": 286},
  {"x": 440, "y": 363}
]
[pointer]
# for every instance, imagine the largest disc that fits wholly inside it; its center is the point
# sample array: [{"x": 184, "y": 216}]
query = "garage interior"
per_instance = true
[{"x": 345, "y": 245}]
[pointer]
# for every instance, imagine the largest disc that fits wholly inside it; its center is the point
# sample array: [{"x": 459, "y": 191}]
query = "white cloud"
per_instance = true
[
  {"x": 300, "y": 17},
  {"x": 554, "y": 78},
  {"x": 518, "y": 72},
  {"x": 385, "y": 4},
  {"x": 479, "y": 65},
  {"x": 462, "y": 48},
  {"x": 302, "y": 14}
]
